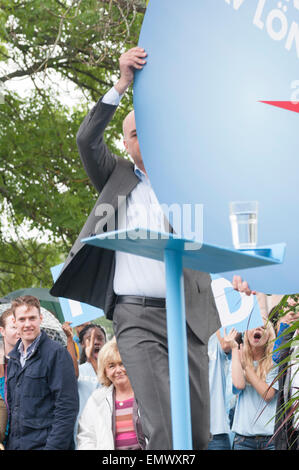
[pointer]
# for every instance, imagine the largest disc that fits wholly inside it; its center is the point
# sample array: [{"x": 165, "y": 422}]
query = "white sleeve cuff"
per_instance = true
[{"x": 112, "y": 97}]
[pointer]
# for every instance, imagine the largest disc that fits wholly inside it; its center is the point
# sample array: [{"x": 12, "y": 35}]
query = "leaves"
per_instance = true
[
  {"x": 38, "y": 158},
  {"x": 79, "y": 39},
  {"x": 23, "y": 264},
  {"x": 288, "y": 361},
  {"x": 42, "y": 181}
]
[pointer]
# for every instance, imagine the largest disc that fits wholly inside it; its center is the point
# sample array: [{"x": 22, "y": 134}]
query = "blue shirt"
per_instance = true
[
  {"x": 218, "y": 368},
  {"x": 253, "y": 415},
  {"x": 87, "y": 383},
  {"x": 276, "y": 356}
]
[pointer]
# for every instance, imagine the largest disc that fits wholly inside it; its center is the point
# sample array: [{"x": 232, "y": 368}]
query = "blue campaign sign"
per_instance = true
[
  {"x": 215, "y": 118},
  {"x": 75, "y": 312},
  {"x": 236, "y": 310}
]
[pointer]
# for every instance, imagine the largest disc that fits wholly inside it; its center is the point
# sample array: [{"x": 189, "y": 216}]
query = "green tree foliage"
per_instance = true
[
  {"x": 42, "y": 181},
  {"x": 23, "y": 263},
  {"x": 41, "y": 177},
  {"x": 286, "y": 412},
  {"x": 80, "y": 39}
]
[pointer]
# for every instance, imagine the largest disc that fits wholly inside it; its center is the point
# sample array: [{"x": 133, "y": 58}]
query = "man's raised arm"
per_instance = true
[{"x": 98, "y": 161}]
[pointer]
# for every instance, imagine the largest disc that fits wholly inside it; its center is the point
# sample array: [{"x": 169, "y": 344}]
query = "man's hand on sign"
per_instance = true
[{"x": 133, "y": 59}]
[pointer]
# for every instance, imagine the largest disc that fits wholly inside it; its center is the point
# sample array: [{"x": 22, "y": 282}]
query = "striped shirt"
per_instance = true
[{"x": 125, "y": 436}]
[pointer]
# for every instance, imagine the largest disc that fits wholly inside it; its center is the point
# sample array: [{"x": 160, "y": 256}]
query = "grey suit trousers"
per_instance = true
[{"x": 141, "y": 335}]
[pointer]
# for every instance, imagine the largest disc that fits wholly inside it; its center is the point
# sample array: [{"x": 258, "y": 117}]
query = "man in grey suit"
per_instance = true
[{"x": 131, "y": 289}]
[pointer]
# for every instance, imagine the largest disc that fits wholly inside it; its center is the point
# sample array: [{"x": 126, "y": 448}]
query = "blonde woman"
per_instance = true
[
  {"x": 253, "y": 375},
  {"x": 110, "y": 419}
]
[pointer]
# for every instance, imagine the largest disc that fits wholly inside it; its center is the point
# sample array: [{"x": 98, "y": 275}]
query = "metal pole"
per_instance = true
[{"x": 177, "y": 351}]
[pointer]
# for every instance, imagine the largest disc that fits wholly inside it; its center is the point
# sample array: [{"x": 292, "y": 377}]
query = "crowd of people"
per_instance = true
[
  {"x": 100, "y": 394},
  {"x": 63, "y": 398},
  {"x": 254, "y": 386},
  {"x": 57, "y": 397}
]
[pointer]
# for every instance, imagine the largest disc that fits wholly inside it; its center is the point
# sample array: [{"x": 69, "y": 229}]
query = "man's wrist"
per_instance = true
[{"x": 121, "y": 86}]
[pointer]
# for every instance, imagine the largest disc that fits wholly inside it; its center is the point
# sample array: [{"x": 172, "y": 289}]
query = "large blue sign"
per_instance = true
[{"x": 214, "y": 111}]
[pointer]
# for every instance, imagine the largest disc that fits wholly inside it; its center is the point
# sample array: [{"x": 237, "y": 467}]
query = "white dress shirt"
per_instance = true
[{"x": 137, "y": 275}]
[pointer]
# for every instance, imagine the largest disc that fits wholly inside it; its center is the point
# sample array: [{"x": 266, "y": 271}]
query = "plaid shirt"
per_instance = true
[{"x": 24, "y": 356}]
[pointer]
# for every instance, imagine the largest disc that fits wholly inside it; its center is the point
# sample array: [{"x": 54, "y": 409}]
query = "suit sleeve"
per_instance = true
[
  {"x": 63, "y": 385},
  {"x": 97, "y": 159}
]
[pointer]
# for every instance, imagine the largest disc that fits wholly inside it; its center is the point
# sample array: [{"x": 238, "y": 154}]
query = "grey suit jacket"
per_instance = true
[{"x": 88, "y": 272}]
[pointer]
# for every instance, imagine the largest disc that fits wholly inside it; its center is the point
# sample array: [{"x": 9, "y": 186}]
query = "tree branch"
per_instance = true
[
  {"x": 124, "y": 3},
  {"x": 33, "y": 69}
]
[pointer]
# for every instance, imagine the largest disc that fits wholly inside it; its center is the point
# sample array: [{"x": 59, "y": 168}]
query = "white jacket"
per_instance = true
[{"x": 95, "y": 423}]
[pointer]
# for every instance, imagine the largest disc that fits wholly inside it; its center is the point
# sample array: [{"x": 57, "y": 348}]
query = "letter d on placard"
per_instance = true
[{"x": 226, "y": 316}]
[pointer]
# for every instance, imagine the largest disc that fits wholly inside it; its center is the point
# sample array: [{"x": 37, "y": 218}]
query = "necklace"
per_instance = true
[{"x": 121, "y": 402}]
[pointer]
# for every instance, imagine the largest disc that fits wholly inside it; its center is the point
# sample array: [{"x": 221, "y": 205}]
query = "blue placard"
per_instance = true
[
  {"x": 75, "y": 312},
  {"x": 207, "y": 126},
  {"x": 236, "y": 310}
]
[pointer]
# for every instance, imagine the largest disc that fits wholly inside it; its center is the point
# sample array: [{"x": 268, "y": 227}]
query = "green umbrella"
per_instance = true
[{"x": 47, "y": 301}]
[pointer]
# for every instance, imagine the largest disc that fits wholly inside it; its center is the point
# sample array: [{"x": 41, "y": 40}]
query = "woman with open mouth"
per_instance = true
[
  {"x": 92, "y": 338},
  {"x": 253, "y": 377}
]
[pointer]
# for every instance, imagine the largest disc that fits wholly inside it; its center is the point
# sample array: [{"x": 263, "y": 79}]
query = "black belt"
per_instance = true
[
  {"x": 144, "y": 301},
  {"x": 260, "y": 436}
]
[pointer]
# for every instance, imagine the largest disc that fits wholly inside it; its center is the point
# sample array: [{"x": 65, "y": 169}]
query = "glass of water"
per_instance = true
[{"x": 243, "y": 219}]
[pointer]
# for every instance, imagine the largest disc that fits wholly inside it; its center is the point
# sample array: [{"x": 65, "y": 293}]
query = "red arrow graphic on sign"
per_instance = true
[{"x": 288, "y": 105}]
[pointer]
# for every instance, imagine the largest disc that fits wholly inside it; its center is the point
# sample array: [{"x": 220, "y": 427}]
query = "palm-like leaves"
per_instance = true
[{"x": 287, "y": 357}]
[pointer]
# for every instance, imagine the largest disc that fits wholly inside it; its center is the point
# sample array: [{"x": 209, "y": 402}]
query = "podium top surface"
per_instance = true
[{"x": 203, "y": 257}]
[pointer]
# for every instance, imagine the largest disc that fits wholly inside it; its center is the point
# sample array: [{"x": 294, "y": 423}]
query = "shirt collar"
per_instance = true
[
  {"x": 31, "y": 348},
  {"x": 139, "y": 173}
]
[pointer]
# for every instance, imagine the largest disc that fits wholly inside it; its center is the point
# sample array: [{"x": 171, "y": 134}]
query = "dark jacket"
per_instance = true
[
  {"x": 42, "y": 398},
  {"x": 88, "y": 273}
]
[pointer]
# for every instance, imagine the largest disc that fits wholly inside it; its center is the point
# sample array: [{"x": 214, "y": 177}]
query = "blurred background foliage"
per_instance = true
[{"x": 57, "y": 58}]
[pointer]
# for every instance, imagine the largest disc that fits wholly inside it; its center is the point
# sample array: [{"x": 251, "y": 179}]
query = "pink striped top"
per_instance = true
[{"x": 125, "y": 436}]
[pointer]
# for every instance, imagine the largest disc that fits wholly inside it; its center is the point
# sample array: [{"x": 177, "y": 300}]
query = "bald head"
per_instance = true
[
  {"x": 131, "y": 141},
  {"x": 129, "y": 124}
]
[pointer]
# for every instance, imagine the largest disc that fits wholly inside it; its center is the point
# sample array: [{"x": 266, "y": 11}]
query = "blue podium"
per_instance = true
[{"x": 178, "y": 254}]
